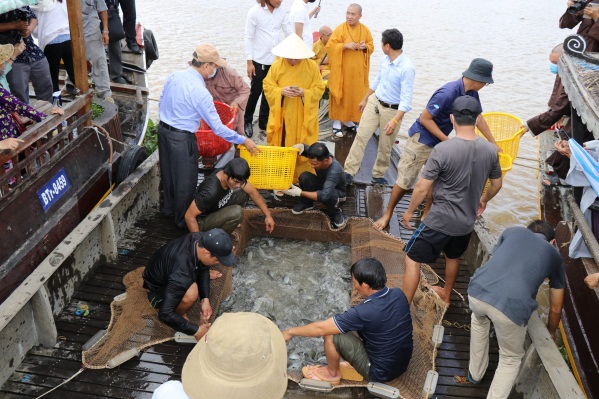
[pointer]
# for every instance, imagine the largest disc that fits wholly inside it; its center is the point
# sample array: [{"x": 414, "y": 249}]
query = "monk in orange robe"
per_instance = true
[
  {"x": 293, "y": 88},
  {"x": 349, "y": 50}
]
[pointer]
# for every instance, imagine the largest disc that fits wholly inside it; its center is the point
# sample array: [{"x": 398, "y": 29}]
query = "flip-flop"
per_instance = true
[
  {"x": 348, "y": 372},
  {"x": 319, "y": 373},
  {"x": 338, "y": 132}
]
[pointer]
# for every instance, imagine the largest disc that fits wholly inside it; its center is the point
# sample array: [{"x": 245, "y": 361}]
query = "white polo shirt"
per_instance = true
[{"x": 299, "y": 13}]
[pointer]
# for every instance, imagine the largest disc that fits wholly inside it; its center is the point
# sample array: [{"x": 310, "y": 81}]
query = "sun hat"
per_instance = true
[
  {"x": 293, "y": 47},
  {"x": 218, "y": 242},
  {"x": 242, "y": 356},
  {"x": 208, "y": 53},
  {"x": 480, "y": 70},
  {"x": 6, "y": 51},
  {"x": 465, "y": 105}
]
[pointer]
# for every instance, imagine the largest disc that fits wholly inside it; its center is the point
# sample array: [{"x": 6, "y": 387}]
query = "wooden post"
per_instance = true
[{"x": 78, "y": 46}]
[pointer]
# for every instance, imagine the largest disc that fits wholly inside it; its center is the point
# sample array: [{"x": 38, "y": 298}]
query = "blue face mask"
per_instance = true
[
  {"x": 553, "y": 68},
  {"x": 214, "y": 73}
]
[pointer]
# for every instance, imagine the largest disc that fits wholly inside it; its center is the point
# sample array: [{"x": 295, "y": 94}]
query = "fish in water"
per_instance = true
[
  {"x": 294, "y": 356},
  {"x": 263, "y": 254},
  {"x": 250, "y": 257},
  {"x": 287, "y": 280},
  {"x": 271, "y": 275}
]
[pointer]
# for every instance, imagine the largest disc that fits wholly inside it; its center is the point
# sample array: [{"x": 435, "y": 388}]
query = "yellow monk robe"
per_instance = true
[
  {"x": 297, "y": 115},
  {"x": 348, "y": 80},
  {"x": 319, "y": 53}
]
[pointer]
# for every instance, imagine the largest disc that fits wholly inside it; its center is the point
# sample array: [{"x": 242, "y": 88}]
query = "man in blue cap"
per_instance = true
[
  {"x": 178, "y": 274},
  {"x": 457, "y": 171},
  {"x": 433, "y": 126}
]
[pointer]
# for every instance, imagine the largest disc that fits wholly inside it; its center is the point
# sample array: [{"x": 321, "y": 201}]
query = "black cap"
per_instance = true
[
  {"x": 465, "y": 105},
  {"x": 219, "y": 244},
  {"x": 480, "y": 70}
]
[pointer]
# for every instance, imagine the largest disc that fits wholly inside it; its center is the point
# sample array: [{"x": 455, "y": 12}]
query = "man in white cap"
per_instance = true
[
  {"x": 293, "y": 88},
  {"x": 243, "y": 356},
  {"x": 184, "y": 102}
]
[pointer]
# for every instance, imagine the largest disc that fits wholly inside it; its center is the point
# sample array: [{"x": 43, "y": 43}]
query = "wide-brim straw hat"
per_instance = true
[
  {"x": 6, "y": 51},
  {"x": 243, "y": 356},
  {"x": 293, "y": 47}
]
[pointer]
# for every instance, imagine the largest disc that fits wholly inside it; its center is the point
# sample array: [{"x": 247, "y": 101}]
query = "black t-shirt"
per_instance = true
[{"x": 211, "y": 196}]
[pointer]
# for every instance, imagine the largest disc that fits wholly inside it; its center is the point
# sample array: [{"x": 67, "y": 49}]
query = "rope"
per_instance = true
[{"x": 64, "y": 382}]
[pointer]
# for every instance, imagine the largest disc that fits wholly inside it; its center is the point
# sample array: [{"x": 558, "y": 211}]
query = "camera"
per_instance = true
[{"x": 578, "y": 5}]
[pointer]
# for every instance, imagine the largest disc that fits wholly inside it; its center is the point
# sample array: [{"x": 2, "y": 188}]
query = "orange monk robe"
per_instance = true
[
  {"x": 298, "y": 115},
  {"x": 319, "y": 53},
  {"x": 348, "y": 80}
]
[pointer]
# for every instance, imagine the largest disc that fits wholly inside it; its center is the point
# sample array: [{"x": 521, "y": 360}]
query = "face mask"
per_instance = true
[
  {"x": 212, "y": 74},
  {"x": 553, "y": 68}
]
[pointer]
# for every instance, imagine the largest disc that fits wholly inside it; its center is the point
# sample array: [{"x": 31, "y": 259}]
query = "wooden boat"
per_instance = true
[
  {"x": 122, "y": 233},
  {"x": 559, "y": 206},
  {"x": 67, "y": 165}
]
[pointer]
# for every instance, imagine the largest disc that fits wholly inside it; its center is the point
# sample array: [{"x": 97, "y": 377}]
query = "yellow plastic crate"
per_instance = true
[
  {"x": 505, "y": 162},
  {"x": 272, "y": 168},
  {"x": 507, "y": 131}
]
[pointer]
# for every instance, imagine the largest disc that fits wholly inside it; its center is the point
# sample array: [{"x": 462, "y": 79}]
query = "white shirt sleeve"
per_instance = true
[{"x": 248, "y": 37}]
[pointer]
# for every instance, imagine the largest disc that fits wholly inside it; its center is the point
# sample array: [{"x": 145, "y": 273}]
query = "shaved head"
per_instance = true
[
  {"x": 357, "y": 6},
  {"x": 353, "y": 14}
]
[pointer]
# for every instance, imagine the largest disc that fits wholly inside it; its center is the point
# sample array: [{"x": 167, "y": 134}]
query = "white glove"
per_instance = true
[
  {"x": 300, "y": 147},
  {"x": 294, "y": 191}
]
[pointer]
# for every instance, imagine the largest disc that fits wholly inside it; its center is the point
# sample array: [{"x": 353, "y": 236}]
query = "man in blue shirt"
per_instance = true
[
  {"x": 382, "y": 348},
  {"x": 434, "y": 126},
  {"x": 184, "y": 102},
  {"x": 383, "y": 107},
  {"x": 503, "y": 291}
]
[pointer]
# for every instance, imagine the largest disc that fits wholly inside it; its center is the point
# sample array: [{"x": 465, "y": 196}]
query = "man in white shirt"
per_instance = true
[
  {"x": 263, "y": 27},
  {"x": 299, "y": 17}
]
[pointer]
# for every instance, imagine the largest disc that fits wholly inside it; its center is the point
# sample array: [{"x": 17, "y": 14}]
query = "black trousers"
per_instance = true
[
  {"x": 310, "y": 182},
  {"x": 56, "y": 52},
  {"x": 255, "y": 92},
  {"x": 178, "y": 171},
  {"x": 129, "y": 16},
  {"x": 115, "y": 68}
]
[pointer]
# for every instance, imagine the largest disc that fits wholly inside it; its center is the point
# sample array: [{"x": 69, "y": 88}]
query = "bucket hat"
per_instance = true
[
  {"x": 208, "y": 53},
  {"x": 6, "y": 51},
  {"x": 218, "y": 242},
  {"x": 480, "y": 70},
  {"x": 293, "y": 47},
  {"x": 242, "y": 356}
]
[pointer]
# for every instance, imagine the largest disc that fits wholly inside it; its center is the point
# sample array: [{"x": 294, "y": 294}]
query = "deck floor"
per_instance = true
[{"x": 44, "y": 368}]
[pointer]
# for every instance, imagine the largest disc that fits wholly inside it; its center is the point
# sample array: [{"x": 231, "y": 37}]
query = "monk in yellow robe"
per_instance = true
[
  {"x": 293, "y": 88},
  {"x": 348, "y": 50},
  {"x": 320, "y": 51}
]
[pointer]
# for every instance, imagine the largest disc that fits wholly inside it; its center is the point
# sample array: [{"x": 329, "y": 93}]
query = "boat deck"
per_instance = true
[{"x": 44, "y": 368}]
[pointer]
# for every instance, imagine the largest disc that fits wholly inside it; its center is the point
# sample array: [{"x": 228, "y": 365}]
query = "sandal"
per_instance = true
[
  {"x": 348, "y": 372},
  {"x": 319, "y": 373},
  {"x": 338, "y": 132}
]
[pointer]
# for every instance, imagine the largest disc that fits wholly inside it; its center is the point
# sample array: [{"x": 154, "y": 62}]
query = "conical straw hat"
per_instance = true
[
  {"x": 6, "y": 51},
  {"x": 293, "y": 47}
]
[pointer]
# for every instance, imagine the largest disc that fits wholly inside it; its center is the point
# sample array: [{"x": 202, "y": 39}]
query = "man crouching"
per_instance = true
[
  {"x": 178, "y": 274},
  {"x": 382, "y": 347}
]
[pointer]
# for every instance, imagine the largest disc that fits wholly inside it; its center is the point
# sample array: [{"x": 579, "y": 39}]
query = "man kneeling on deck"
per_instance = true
[
  {"x": 503, "y": 291},
  {"x": 382, "y": 347},
  {"x": 219, "y": 199},
  {"x": 327, "y": 185},
  {"x": 179, "y": 274}
]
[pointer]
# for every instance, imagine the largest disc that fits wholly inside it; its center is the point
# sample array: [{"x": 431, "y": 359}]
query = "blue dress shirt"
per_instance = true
[
  {"x": 394, "y": 83},
  {"x": 440, "y": 106},
  {"x": 185, "y": 101}
]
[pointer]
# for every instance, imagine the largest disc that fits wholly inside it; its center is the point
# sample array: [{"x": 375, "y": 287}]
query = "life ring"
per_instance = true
[
  {"x": 131, "y": 159},
  {"x": 151, "y": 47}
]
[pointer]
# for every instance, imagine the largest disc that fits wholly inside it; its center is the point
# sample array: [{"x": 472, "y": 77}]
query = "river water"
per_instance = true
[{"x": 440, "y": 37}]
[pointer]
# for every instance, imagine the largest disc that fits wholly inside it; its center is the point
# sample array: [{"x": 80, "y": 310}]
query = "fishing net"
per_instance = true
[{"x": 135, "y": 325}]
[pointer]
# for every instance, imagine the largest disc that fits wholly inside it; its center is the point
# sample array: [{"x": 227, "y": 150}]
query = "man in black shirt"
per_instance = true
[
  {"x": 219, "y": 199},
  {"x": 178, "y": 274},
  {"x": 327, "y": 185}
]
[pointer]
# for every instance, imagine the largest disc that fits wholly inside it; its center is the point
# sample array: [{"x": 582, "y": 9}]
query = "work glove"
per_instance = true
[
  {"x": 294, "y": 191},
  {"x": 300, "y": 147}
]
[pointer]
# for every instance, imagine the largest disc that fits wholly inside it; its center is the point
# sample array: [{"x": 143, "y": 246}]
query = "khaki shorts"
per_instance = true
[
  {"x": 412, "y": 159},
  {"x": 351, "y": 349}
]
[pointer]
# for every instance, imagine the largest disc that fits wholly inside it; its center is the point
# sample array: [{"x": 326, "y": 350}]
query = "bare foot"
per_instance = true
[
  {"x": 214, "y": 274},
  {"x": 382, "y": 222},
  {"x": 441, "y": 292}
]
